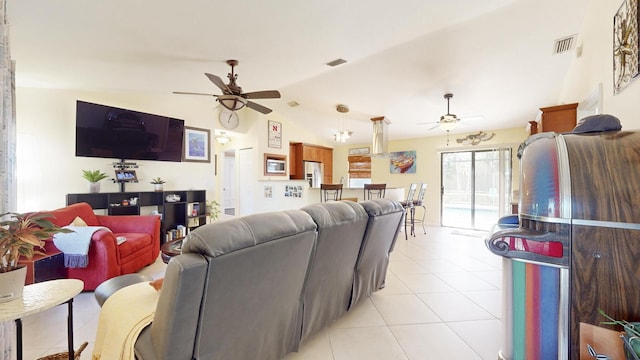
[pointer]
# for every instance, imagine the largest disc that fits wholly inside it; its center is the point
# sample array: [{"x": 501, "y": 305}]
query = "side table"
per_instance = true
[
  {"x": 40, "y": 297},
  {"x": 171, "y": 249},
  {"x": 45, "y": 267}
]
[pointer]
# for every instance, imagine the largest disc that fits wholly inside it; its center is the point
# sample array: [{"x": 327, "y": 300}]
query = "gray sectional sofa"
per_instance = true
[{"x": 255, "y": 287}]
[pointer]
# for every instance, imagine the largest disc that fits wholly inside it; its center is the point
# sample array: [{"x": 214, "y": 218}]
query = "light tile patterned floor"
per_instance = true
[{"x": 441, "y": 301}]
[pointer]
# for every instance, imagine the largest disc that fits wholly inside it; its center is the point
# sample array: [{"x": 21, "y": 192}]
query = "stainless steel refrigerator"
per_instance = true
[{"x": 313, "y": 173}]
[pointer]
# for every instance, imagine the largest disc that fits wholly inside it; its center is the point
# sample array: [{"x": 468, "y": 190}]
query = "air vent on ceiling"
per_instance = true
[
  {"x": 564, "y": 44},
  {"x": 336, "y": 62}
]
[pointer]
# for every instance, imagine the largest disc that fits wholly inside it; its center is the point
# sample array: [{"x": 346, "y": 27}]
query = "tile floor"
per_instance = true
[{"x": 442, "y": 301}]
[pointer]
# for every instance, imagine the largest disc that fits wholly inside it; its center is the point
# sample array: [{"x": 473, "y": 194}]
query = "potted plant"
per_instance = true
[
  {"x": 631, "y": 339},
  {"x": 213, "y": 209},
  {"x": 20, "y": 234},
  {"x": 94, "y": 176},
  {"x": 157, "y": 183}
]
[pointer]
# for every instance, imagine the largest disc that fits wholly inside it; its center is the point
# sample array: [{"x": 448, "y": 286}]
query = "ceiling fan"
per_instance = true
[
  {"x": 447, "y": 121},
  {"x": 232, "y": 96}
]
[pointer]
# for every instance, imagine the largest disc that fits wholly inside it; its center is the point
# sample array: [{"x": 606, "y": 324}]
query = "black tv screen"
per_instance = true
[{"x": 111, "y": 132}]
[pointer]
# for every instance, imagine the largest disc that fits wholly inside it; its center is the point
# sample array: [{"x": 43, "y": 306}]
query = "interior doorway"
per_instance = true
[
  {"x": 229, "y": 182},
  {"x": 476, "y": 188},
  {"x": 247, "y": 178}
]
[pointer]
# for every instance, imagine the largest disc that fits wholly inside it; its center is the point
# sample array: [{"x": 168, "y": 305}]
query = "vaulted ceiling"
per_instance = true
[{"x": 496, "y": 56}]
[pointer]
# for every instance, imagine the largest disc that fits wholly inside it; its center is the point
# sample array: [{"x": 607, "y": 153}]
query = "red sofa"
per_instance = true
[{"x": 107, "y": 259}]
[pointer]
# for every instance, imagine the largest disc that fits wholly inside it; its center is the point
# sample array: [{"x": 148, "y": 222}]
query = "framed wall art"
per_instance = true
[
  {"x": 625, "y": 45},
  {"x": 403, "y": 162},
  {"x": 126, "y": 175},
  {"x": 196, "y": 145},
  {"x": 275, "y": 134},
  {"x": 360, "y": 151}
]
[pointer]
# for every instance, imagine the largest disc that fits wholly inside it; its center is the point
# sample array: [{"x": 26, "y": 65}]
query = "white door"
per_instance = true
[
  {"x": 247, "y": 178},
  {"x": 229, "y": 183}
]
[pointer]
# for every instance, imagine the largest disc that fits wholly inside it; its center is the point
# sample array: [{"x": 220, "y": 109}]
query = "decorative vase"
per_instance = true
[
  {"x": 12, "y": 284},
  {"x": 94, "y": 187},
  {"x": 157, "y": 187}
]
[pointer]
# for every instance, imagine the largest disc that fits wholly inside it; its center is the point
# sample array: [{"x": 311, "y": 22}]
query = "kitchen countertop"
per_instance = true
[{"x": 393, "y": 193}]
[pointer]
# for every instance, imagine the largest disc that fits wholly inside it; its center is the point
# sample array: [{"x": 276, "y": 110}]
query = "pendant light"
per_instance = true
[{"x": 343, "y": 134}]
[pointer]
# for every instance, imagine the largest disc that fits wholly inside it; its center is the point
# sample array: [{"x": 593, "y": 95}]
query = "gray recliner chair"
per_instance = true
[
  {"x": 235, "y": 291},
  {"x": 341, "y": 227},
  {"x": 385, "y": 219}
]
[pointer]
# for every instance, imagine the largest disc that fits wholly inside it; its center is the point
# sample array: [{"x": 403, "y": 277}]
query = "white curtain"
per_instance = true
[
  {"x": 7, "y": 120},
  {"x": 8, "y": 188}
]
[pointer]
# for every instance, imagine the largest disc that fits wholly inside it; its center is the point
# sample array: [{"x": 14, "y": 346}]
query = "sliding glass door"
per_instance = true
[{"x": 476, "y": 188}]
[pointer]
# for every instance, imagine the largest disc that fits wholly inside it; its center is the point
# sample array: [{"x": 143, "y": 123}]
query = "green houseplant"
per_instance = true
[
  {"x": 157, "y": 183},
  {"x": 213, "y": 209},
  {"x": 20, "y": 235},
  {"x": 94, "y": 176},
  {"x": 632, "y": 334}
]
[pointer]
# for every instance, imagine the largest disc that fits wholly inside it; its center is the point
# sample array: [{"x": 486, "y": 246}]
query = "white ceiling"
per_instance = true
[{"x": 495, "y": 56}]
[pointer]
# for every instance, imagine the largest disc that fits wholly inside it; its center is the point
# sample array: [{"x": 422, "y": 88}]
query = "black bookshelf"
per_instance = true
[{"x": 180, "y": 209}]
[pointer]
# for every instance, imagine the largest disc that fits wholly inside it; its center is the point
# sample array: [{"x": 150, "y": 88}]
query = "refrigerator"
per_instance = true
[
  {"x": 574, "y": 245},
  {"x": 313, "y": 173}
]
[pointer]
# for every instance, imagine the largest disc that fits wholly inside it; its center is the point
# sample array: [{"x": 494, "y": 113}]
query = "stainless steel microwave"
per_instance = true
[{"x": 275, "y": 166}]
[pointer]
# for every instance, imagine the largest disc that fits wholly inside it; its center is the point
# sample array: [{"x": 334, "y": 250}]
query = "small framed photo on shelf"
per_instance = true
[
  {"x": 126, "y": 175},
  {"x": 196, "y": 145},
  {"x": 195, "y": 210}
]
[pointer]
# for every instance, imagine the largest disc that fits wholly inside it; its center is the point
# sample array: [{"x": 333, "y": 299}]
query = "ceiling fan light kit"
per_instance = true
[
  {"x": 232, "y": 102},
  {"x": 448, "y": 121}
]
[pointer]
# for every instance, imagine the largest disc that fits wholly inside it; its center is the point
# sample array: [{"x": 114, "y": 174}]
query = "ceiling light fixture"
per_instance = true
[
  {"x": 232, "y": 102},
  {"x": 222, "y": 138},
  {"x": 379, "y": 143},
  {"x": 343, "y": 135},
  {"x": 448, "y": 121}
]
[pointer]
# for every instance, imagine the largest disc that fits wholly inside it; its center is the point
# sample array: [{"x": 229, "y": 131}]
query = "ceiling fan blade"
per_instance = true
[
  {"x": 192, "y": 93},
  {"x": 433, "y": 127},
  {"x": 219, "y": 83},
  {"x": 258, "y": 107},
  {"x": 266, "y": 94}
]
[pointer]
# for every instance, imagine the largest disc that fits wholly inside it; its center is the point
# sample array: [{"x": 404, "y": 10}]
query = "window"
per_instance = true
[{"x": 359, "y": 170}]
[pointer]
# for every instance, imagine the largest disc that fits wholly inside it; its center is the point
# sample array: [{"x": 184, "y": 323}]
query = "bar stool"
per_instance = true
[
  {"x": 409, "y": 209},
  {"x": 330, "y": 192},
  {"x": 372, "y": 191},
  {"x": 420, "y": 202}
]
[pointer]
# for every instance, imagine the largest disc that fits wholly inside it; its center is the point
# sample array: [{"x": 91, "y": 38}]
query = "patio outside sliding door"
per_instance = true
[{"x": 476, "y": 188}]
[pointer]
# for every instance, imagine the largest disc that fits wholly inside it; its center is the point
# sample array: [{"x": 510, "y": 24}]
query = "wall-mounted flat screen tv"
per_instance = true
[{"x": 110, "y": 132}]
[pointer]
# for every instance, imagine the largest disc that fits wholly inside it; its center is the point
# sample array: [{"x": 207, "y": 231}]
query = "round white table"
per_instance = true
[{"x": 39, "y": 297}]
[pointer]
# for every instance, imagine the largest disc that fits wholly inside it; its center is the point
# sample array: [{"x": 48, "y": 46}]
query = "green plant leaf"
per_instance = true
[
  {"x": 93, "y": 175},
  {"x": 21, "y": 234}
]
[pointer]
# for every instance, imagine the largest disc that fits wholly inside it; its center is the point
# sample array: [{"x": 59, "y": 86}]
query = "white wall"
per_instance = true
[
  {"x": 595, "y": 66},
  {"x": 48, "y": 168}
]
